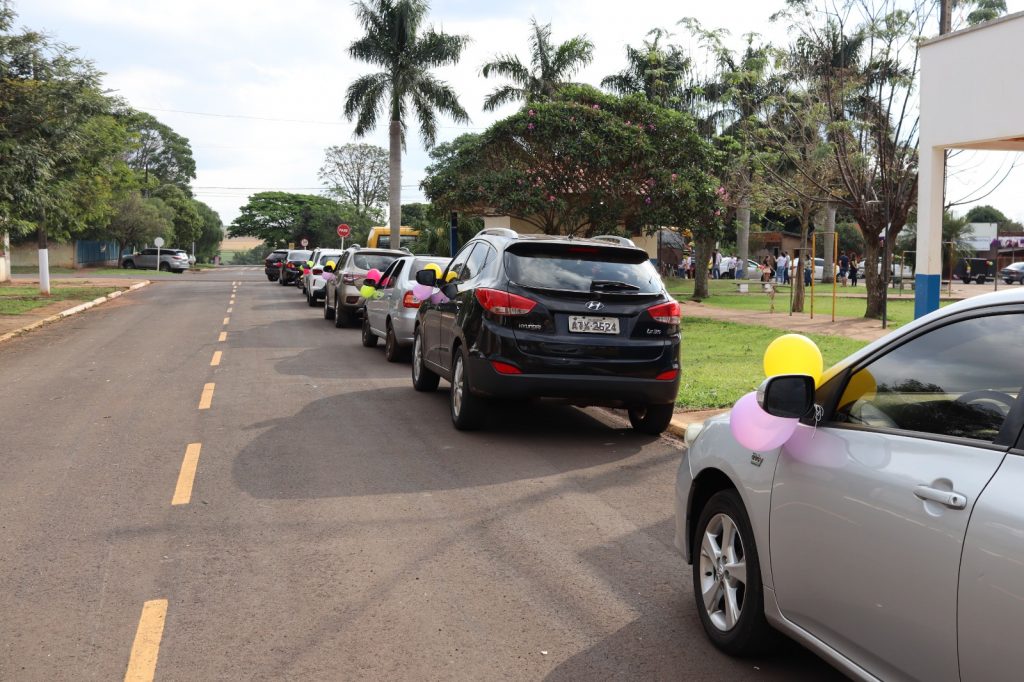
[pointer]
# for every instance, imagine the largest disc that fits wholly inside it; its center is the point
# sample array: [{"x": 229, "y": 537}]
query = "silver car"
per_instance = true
[
  {"x": 887, "y": 534},
  {"x": 392, "y": 314},
  {"x": 343, "y": 302},
  {"x": 171, "y": 260}
]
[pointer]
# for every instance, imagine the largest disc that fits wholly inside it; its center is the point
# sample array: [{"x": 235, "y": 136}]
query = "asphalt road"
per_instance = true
[{"x": 337, "y": 527}]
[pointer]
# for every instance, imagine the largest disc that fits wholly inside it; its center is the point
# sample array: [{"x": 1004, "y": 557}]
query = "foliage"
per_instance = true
[
  {"x": 435, "y": 228},
  {"x": 986, "y": 214},
  {"x": 661, "y": 73},
  {"x": 357, "y": 174},
  {"x": 280, "y": 218},
  {"x": 158, "y": 155},
  {"x": 211, "y": 233},
  {"x": 187, "y": 223},
  {"x": 253, "y": 256},
  {"x": 137, "y": 221},
  {"x": 582, "y": 164},
  {"x": 550, "y": 68}
]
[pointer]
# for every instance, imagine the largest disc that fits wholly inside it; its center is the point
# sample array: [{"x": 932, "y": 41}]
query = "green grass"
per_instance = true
[
  {"x": 93, "y": 272},
  {"x": 16, "y": 300},
  {"x": 721, "y": 361}
]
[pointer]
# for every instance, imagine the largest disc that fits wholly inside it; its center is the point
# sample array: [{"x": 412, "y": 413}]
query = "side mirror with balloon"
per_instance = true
[
  {"x": 790, "y": 396},
  {"x": 427, "y": 278}
]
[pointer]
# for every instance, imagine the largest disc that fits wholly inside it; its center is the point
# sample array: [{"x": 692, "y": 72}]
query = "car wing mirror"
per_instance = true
[
  {"x": 450, "y": 290},
  {"x": 787, "y": 395},
  {"x": 426, "y": 278}
]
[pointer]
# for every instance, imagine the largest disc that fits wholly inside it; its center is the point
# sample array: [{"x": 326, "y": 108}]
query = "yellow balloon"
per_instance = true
[
  {"x": 451, "y": 276},
  {"x": 862, "y": 386},
  {"x": 435, "y": 267},
  {"x": 793, "y": 354}
]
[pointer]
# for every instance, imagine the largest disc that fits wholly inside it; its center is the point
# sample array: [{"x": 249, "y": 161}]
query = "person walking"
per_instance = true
[
  {"x": 781, "y": 268},
  {"x": 853, "y": 269},
  {"x": 844, "y": 266},
  {"x": 716, "y": 264}
]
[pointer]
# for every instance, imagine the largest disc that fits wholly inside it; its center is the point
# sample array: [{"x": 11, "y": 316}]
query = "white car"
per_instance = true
[{"x": 313, "y": 283}]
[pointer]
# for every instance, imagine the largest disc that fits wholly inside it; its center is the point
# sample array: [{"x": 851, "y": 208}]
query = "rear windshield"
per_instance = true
[
  {"x": 324, "y": 257},
  {"x": 369, "y": 261},
  {"x": 299, "y": 255},
  {"x": 599, "y": 270}
]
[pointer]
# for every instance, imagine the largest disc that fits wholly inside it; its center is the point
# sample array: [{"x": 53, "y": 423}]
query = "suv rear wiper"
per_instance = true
[{"x": 609, "y": 285}]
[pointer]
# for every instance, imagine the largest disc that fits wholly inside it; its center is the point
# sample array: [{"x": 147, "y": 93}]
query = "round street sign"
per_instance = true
[
  {"x": 159, "y": 241},
  {"x": 304, "y": 242},
  {"x": 344, "y": 230}
]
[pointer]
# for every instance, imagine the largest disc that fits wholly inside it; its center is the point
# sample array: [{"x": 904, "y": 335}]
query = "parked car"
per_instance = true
[
  {"x": 1014, "y": 272},
  {"x": 391, "y": 315},
  {"x": 291, "y": 266},
  {"x": 171, "y": 260},
  {"x": 536, "y": 316},
  {"x": 313, "y": 283},
  {"x": 895, "y": 269},
  {"x": 342, "y": 301},
  {"x": 272, "y": 264},
  {"x": 885, "y": 534},
  {"x": 978, "y": 270}
]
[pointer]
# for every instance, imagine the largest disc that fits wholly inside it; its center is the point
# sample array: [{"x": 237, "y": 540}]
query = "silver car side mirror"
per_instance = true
[{"x": 787, "y": 395}]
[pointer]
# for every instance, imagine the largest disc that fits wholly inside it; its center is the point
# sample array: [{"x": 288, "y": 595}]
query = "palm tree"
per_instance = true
[
  {"x": 550, "y": 68},
  {"x": 659, "y": 73},
  {"x": 396, "y": 41}
]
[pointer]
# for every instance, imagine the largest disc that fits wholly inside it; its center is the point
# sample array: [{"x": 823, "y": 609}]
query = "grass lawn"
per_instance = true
[
  {"x": 15, "y": 300},
  {"x": 721, "y": 361},
  {"x": 93, "y": 272},
  {"x": 725, "y": 295}
]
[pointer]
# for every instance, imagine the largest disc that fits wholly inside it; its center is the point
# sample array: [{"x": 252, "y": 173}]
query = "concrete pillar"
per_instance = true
[{"x": 928, "y": 274}]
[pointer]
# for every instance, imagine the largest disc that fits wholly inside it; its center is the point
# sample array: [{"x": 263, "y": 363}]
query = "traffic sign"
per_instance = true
[
  {"x": 159, "y": 241},
  {"x": 344, "y": 230},
  {"x": 304, "y": 242}
]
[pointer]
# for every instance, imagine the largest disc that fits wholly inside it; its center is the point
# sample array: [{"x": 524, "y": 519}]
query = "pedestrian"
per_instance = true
[
  {"x": 844, "y": 266},
  {"x": 781, "y": 268},
  {"x": 807, "y": 272},
  {"x": 853, "y": 269},
  {"x": 766, "y": 269},
  {"x": 716, "y": 264}
]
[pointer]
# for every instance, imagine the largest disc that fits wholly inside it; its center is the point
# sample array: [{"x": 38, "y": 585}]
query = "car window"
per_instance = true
[
  {"x": 460, "y": 261},
  {"x": 578, "y": 268},
  {"x": 476, "y": 263},
  {"x": 390, "y": 275},
  {"x": 958, "y": 380},
  {"x": 369, "y": 261}
]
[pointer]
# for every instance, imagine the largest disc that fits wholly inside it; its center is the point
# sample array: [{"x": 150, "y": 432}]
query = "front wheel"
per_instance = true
[
  {"x": 467, "y": 409},
  {"x": 423, "y": 379},
  {"x": 392, "y": 351},
  {"x": 369, "y": 338},
  {"x": 651, "y": 419},
  {"x": 128, "y": 265},
  {"x": 727, "y": 578},
  {"x": 165, "y": 267}
]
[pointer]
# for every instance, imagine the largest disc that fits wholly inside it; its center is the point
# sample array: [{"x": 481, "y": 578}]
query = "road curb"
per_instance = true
[{"x": 81, "y": 307}]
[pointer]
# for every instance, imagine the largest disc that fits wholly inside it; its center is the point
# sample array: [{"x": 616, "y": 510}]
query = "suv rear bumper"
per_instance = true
[{"x": 612, "y": 391}]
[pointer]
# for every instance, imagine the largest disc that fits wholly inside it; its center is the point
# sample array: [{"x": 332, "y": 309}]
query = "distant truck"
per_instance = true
[{"x": 380, "y": 237}]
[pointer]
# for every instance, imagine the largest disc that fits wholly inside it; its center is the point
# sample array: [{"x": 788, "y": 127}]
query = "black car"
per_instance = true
[
  {"x": 1014, "y": 272},
  {"x": 583, "y": 321},
  {"x": 291, "y": 266},
  {"x": 272, "y": 264},
  {"x": 978, "y": 270}
]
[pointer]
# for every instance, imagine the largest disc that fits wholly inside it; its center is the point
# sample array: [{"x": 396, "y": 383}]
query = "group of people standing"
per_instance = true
[{"x": 779, "y": 269}]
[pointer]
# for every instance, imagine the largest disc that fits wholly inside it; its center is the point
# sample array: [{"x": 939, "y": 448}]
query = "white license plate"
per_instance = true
[{"x": 584, "y": 324}]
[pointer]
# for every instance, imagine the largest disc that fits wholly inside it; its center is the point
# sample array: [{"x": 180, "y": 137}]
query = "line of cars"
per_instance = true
[{"x": 514, "y": 317}]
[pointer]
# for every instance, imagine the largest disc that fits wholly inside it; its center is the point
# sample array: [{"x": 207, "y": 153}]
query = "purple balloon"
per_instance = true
[
  {"x": 422, "y": 291},
  {"x": 438, "y": 297},
  {"x": 757, "y": 430}
]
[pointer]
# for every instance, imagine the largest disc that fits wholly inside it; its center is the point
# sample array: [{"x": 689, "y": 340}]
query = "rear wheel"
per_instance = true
[
  {"x": 651, "y": 419},
  {"x": 328, "y": 310},
  {"x": 369, "y": 338},
  {"x": 467, "y": 409},
  {"x": 342, "y": 316},
  {"x": 727, "y": 578},
  {"x": 310, "y": 299},
  {"x": 392, "y": 351},
  {"x": 128, "y": 265},
  {"x": 165, "y": 267},
  {"x": 423, "y": 379}
]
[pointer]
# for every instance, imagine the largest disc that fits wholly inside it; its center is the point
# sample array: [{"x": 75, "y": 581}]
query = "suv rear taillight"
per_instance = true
[
  {"x": 291, "y": 266},
  {"x": 410, "y": 301},
  {"x": 349, "y": 278},
  {"x": 504, "y": 303},
  {"x": 666, "y": 313},
  {"x": 318, "y": 271}
]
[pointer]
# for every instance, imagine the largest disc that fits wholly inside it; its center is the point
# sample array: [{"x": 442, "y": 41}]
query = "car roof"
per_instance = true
[{"x": 298, "y": 253}]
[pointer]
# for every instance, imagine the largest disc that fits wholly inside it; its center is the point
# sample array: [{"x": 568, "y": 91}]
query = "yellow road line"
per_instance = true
[
  {"x": 229, "y": 310},
  {"x": 226, "y": 320},
  {"x": 216, "y": 358},
  {"x": 146, "y": 647},
  {"x": 223, "y": 336},
  {"x": 207, "y": 397},
  {"x": 183, "y": 491}
]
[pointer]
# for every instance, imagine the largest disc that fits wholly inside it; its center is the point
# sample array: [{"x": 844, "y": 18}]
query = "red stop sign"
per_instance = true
[{"x": 344, "y": 230}]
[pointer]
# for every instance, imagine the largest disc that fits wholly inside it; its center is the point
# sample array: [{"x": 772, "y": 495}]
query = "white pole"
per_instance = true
[{"x": 44, "y": 271}]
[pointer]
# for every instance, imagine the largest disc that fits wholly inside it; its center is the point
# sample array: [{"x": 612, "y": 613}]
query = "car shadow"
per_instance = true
[
  {"x": 666, "y": 641},
  {"x": 395, "y": 440}
]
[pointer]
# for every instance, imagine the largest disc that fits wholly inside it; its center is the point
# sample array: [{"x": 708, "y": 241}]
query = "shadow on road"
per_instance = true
[{"x": 394, "y": 440}]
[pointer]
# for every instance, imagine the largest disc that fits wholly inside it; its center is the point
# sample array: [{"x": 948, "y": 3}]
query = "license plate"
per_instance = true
[{"x": 584, "y": 324}]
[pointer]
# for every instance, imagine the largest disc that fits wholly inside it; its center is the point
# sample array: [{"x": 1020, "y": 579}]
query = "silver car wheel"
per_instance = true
[
  {"x": 417, "y": 358},
  {"x": 457, "y": 386},
  {"x": 723, "y": 572}
]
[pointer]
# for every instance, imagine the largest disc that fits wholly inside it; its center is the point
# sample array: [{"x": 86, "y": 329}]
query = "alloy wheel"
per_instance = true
[
  {"x": 417, "y": 359},
  {"x": 457, "y": 386},
  {"x": 723, "y": 572}
]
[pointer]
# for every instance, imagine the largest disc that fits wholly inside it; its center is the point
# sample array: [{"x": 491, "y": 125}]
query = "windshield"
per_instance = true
[
  {"x": 369, "y": 261},
  {"x": 598, "y": 271},
  {"x": 384, "y": 241}
]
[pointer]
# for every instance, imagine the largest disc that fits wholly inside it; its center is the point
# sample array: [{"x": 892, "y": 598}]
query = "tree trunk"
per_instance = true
[
  {"x": 395, "y": 184},
  {"x": 829, "y": 271},
  {"x": 703, "y": 246},
  {"x": 120, "y": 252},
  {"x": 743, "y": 236},
  {"x": 873, "y": 279},
  {"x": 806, "y": 257}
]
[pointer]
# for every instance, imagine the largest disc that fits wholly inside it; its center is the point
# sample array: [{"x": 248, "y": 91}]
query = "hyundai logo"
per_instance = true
[{"x": 595, "y": 306}]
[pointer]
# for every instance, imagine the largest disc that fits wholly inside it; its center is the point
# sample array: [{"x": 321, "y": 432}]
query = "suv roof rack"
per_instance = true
[{"x": 500, "y": 232}]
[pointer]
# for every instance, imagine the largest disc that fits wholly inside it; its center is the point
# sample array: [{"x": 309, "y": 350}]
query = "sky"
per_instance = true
[{"x": 258, "y": 86}]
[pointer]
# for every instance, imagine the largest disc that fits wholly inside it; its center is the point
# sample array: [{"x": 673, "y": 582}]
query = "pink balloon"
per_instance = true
[
  {"x": 373, "y": 275},
  {"x": 757, "y": 430},
  {"x": 422, "y": 291},
  {"x": 438, "y": 297}
]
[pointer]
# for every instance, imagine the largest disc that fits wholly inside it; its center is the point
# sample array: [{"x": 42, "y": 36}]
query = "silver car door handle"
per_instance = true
[{"x": 953, "y": 500}]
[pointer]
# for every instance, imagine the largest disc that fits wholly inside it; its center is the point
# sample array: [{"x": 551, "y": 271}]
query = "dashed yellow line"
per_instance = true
[
  {"x": 183, "y": 490},
  {"x": 229, "y": 310},
  {"x": 216, "y": 358},
  {"x": 226, "y": 320},
  {"x": 146, "y": 647},
  {"x": 223, "y": 336},
  {"x": 207, "y": 397}
]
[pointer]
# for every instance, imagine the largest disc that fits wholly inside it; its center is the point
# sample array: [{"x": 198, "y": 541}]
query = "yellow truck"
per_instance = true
[{"x": 380, "y": 237}]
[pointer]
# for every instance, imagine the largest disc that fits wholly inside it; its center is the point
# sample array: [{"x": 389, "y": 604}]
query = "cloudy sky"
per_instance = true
[{"x": 258, "y": 86}]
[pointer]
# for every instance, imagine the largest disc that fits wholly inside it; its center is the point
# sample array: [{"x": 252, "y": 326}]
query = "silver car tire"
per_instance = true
[
  {"x": 727, "y": 578},
  {"x": 392, "y": 351},
  {"x": 328, "y": 310},
  {"x": 369, "y": 339}
]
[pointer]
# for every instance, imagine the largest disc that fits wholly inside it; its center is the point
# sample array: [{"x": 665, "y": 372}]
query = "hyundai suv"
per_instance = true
[
  {"x": 272, "y": 264},
  {"x": 583, "y": 321},
  {"x": 342, "y": 300}
]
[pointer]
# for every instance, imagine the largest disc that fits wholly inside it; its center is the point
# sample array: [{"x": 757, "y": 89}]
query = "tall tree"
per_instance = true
[
  {"x": 661, "y": 73},
  {"x": 551, "y": 68},
  {"x": 396, "y": 41},
  {"x": 357, "y": 174},
  {"x": 280, "y": 218},
  {"x": 187, "y": 222},
  {"x": 159, "y": 155},
  {"x": 211, "y": 232},
  {"x": 137, "y": 220}
]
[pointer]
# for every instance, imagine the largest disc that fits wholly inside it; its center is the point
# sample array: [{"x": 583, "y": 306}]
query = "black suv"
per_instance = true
[
  {"x": 534, "y": 316},
  {"x": 272, "y": 264}
]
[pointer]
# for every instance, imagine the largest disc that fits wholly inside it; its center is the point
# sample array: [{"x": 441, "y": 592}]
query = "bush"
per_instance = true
[{"x": 253, "y": 256}]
